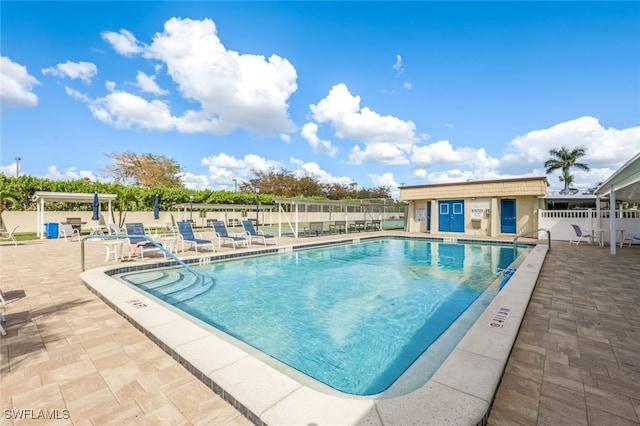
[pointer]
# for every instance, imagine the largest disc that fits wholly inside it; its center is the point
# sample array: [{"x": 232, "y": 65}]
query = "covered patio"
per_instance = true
[
  {"x": 42, "y": 197},
  {"x": 623, "y": 185}
]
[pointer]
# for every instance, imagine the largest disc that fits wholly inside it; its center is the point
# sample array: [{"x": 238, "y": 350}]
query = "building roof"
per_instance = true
[
  {"x": 70, "y": 197},
  {"x": 528, "y": 186},
  {"x": 480, "y": 182},
  {"x": 625, "y": 182}
]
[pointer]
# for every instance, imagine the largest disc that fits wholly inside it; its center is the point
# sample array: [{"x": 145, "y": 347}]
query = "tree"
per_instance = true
[
  {"x": 8, "y": 195},
  {"x": 563, "y": 159},
  {"x": 145, "y": 170}
]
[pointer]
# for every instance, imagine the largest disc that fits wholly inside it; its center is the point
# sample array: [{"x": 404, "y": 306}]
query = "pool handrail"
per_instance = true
[
  {"x": 515, "y": 240},
  {"x": 123, "y": 236}
]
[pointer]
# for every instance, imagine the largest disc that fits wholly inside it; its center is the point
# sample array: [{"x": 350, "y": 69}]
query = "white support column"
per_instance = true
[{"x": 612, "y": 220}]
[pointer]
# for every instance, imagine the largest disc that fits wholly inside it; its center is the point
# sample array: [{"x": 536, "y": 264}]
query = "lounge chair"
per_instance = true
[
  {"x": 135, "y": 232},
  {"x": 221, "y": 233},
  {"x": 580, "y": 235},
  {"x": 252, "y": 234},
  {"x": 187, "y": 236},
  {"x": 9, "y": 235},
  {"x": 68, "y": 231},
  {"x": 632, "y": 239}
]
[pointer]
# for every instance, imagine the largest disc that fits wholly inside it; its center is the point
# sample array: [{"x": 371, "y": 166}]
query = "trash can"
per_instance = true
[{"x": 51, "y": 229}]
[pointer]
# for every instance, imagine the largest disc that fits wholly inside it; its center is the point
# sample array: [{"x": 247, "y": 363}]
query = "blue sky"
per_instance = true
[{"x": 377, "y": 93}]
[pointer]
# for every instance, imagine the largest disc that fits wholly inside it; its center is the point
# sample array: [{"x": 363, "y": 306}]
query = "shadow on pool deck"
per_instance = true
[{"x": 576, "y": 359}]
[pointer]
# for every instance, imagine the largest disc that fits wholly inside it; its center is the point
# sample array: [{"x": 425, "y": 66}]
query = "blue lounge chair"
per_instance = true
[
  {"x": 252, "y": 234},
  {"x": 138, "y": 243},
  {"x": 220, "y": 230},
  {"x": 187, "y": 236}
]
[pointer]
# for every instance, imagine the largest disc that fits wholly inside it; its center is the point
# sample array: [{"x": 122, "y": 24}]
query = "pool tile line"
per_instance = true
[{"x": 285, "y": 395}]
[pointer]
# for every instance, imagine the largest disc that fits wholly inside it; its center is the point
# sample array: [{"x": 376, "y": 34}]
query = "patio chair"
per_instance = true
[
  {"x": 135, "y": 232},
  {"x": 580, "y": 235},
  {"x": 68, "y": 231},
  {"x": 221, "y": 233},
  {"x": 252, "y": 234},
  {"x": 631, "y": 239},
  {"x": 9, "y": 235},
  {"x": 187, "y": 236}
]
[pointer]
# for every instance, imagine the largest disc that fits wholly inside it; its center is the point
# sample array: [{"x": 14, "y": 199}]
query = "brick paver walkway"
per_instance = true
[{"x": 576, "y": 359}]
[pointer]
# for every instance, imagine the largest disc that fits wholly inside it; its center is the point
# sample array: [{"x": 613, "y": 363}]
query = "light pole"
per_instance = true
[
  {"x": 191, "y": 209},
  {"x": 235, "y": 184},
  {"x": 257, "y": 206},
  {"x": 18, "y": 159}
]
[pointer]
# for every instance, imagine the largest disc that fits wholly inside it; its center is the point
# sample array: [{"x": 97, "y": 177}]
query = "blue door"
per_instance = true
[
  {"x": 451, "y": 216},
  {"x": 428, "y": 216},
  {"x": 508, "y": 216}
]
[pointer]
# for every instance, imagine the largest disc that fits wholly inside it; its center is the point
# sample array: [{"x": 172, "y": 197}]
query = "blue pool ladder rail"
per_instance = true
[{"x": 508, "y": 273}]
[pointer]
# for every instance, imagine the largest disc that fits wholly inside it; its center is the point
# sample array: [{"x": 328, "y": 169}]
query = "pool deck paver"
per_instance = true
[{"x": 576, "y": 359}]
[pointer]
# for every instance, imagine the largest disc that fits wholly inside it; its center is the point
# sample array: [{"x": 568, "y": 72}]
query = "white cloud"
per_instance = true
[
  {"x": 223, "y": 168},
  {"x": 310, "y": 133},
  {"x": 387, "y": 180},
  {"x": 16, "y": 85},
  {"x": 388, "y": 138},
  {"x": 284, "y": 137},
  {"x": 313, "y": 169},
  {"x": 84, "y": 71},
  {"x": 442, "y": 152},
  {"x": 70, "y": 173},
  {"x": 123, "y": 110},
  {"x": 381, "y": 153},
  {"x": 232, "y": 90},
  {"x": 407, "y": 85},
  {"x": 398, "y": 65},
  {"x": 147, "y": 83},
  {"x": 123, "y": 42},
  {"x": 606, "y": 150}
]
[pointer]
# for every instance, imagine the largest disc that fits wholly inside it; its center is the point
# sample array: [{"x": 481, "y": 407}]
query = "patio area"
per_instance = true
[{"x": 576, "y": 359}]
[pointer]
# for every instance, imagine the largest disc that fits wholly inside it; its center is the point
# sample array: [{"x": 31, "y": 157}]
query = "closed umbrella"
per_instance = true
[
  {"x": 96, "y": 207},
  {"x": 156, "y": 207}
]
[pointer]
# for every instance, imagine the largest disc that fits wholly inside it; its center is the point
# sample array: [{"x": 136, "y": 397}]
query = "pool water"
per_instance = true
[{"x": 354, "y": 317}]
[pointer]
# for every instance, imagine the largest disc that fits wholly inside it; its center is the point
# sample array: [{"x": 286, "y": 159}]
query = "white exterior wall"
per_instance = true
[{"x": 558, "y": 222}]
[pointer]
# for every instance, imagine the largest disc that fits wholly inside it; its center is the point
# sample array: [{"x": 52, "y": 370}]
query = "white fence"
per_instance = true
[{"x": 559, "y": 222}]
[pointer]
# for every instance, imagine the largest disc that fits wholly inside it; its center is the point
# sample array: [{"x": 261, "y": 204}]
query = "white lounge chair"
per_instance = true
[
  {"x": 9, "y": 235},
  {"x": 68, "y": 231},
  {"x": 631, "y": 239},
  {"x": 580, "y": 235},
  {"x": 252, "y": 234}
]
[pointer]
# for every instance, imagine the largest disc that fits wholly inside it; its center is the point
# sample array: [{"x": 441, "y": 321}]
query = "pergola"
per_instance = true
[
  {"x": 363, "y": 207},
  {"x": 623, "y": 185},
  {"x": 41, "y": 197},
  {"x": 186, "y": 208}
]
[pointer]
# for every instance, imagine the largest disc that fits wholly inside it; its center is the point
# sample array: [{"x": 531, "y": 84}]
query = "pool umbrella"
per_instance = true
[
  {"x": 96, "y": 207},
  {"x": 156, "y": 207}
]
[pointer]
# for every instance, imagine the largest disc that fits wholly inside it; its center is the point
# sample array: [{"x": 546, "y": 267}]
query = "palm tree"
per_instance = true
[{"x": 564, "y": 159}]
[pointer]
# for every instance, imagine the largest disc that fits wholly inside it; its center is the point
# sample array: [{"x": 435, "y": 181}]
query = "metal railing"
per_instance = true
[
  {"x": 124, "y": 236},
  {"x": 515, "y": 240}
]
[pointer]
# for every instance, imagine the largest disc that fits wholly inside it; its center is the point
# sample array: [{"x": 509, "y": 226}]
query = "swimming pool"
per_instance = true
[{"x": 354, "y": 317}]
